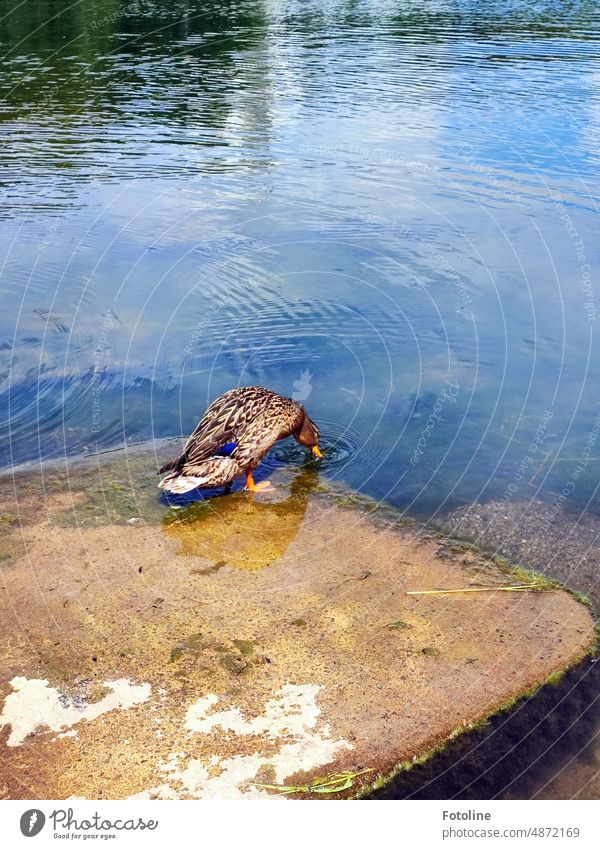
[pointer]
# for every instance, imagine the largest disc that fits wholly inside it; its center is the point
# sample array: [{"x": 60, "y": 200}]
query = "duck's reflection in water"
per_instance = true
[{"x": 246, "y": 532}]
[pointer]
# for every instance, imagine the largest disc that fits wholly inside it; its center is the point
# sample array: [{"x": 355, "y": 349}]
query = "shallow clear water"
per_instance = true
[{"x": 388, "y": 210}]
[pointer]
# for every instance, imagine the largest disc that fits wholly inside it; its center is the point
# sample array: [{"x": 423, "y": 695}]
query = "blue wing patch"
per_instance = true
[{"x": 227, "y": 449}]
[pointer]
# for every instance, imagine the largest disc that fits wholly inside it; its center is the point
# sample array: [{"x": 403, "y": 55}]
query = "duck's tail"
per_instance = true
[
  {"x": 180, "y": 483},
  {"x": 217, "y": 471}
]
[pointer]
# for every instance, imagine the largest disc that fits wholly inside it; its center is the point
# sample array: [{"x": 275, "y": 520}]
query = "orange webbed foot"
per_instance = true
[{"x": 263, "y": 486}]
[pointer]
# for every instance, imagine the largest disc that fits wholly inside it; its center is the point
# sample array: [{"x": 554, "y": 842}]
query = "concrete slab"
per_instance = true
[{"x": 205, "y": 651}]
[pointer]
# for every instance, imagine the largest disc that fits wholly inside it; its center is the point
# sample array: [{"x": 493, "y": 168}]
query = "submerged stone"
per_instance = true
[{"x": 243, "y": 644}]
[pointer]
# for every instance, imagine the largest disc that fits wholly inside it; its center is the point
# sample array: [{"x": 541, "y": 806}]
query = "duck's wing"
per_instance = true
[
  {"x": 226, "y": 420},
  {"x": 255, "y": 440}
]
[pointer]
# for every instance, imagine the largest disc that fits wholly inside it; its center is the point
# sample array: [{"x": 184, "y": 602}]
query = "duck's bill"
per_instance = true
[{"x": 317, "y": 452}]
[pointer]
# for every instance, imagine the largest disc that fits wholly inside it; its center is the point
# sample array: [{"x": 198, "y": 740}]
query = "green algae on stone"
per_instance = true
[
  {"x": 245, "y": 647},
  {"x": 191, "y": 645},
  {"x": 8, "y": 519},
  {"x": 234, "y": 663},
  {"x": 97, "y": 692},
  {"x": 430, "y": 651}
]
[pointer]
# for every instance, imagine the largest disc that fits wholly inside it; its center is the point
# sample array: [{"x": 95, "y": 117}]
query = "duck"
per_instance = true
[{"x": 233, "y": 436}]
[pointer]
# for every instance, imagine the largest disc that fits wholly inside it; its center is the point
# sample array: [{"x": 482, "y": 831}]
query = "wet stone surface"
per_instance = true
[{"x": 208, "y": 650}]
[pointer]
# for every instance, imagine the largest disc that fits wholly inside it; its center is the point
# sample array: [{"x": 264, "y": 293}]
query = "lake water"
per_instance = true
[{"x": 388, "y": 210}]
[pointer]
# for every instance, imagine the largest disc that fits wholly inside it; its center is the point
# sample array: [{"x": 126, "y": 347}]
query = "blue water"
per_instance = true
[{"x": 388, "y": 210}]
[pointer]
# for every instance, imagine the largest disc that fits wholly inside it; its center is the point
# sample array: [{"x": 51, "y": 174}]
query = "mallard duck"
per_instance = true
[{"x": 233, "y": 436}]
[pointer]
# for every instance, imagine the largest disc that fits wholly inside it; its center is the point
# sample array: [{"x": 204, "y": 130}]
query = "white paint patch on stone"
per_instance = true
[
  {"x": 294, "y": 712},
  {"x": 290, "y": 719},
  {"x": 35, "y": 705}
]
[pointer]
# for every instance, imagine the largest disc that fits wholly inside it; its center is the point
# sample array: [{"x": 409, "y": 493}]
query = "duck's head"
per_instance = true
[{"x": 307, "y": 434}]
